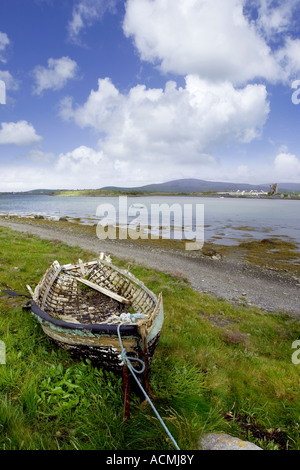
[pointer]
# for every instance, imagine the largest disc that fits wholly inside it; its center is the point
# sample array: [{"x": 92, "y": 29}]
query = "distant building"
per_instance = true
[
  {"x": 239, "y": 193},
  {"x": 273, "y": 189}
]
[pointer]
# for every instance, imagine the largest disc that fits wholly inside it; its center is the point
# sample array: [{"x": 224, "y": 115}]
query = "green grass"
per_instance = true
[
  {"x": 216, "y": 368},
  {"x": 114, "y": 193}
]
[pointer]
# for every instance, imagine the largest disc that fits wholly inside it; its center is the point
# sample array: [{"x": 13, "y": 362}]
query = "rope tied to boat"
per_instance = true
[{"x": 126, "y": 359}]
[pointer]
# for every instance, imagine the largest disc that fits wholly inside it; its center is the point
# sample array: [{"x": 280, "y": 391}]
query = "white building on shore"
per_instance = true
[{"x": 239, "y": 193}]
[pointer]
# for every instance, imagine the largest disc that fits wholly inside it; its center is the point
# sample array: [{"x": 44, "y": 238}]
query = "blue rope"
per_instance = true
[{"x": 134, "y": 371}]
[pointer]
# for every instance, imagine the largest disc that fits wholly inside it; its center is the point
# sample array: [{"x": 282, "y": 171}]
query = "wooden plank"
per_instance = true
[
  {"x": 81, "y": 265},
  {"x": 50, "y": 282},
  {"x": 104, "y": 291},
  {"x": 126, "y": 393},
  {"x": 30, "y": 291},
  {"x": 70, "y": 267}
]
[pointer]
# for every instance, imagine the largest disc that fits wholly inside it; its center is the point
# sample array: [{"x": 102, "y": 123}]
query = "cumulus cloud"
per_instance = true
[
  {"x": 18, "y": 133},
  {"x": 289, "y": 57},
  {"x": 5, "y": 76},
  {"x": 287, "y": 166},
  {"x": 85, "y": 167},
  {"x": 80, "y": 158},
  {"x": 212, "y": 39},
  {"x": 217, "y": 40},
  {"x": 87, "y": 12},
  {"x": 171, "y": 125},
  {"x": 274, "y": 19},
  {"x": 55, "y": 75},
  {"x": 10, "y": 82}
]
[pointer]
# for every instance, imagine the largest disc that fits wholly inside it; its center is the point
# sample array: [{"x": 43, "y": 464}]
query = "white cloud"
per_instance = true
[
  {"x": 289, "y": 57},
  {"x": 98, "y": 109},
  {"x": 85, "y": 167},
  {"x": 79, "y": 159},
  {"x": 87, "y": 12},
  {"x": 2, "y": 93},
  {"x": 10, "y": 82},
  {"x": 287, "y": 167},
  {"x": 4, "y": 42},
  {"x": 283, "y": 168},
  {"x": 218, "y": 40},
  {"x": 56, "y": 75},
  {"x": 211, "y": 38},
  {"x": 18, "y": 133},
  {"x": 274, "y": 19},
  {"x": 218, "y": 47},
  {"x": 173, "y": 124}
]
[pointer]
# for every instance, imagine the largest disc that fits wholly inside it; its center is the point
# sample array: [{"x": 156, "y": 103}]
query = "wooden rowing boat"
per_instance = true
[{"x": 81, "y": 306}]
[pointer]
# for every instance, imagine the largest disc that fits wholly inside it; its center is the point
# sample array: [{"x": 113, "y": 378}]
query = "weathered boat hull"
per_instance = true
[{"x": 99, "y": 342}]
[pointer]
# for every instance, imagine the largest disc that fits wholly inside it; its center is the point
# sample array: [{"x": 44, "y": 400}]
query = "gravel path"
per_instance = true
[{"x": 232, "y": 278}]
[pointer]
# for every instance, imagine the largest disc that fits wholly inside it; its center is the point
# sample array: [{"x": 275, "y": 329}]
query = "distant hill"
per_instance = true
[
  {"x": 180, "y": 186},
  {"x": 286, "y": 187},
  {"x": 192, "y": 185},
  {"x": 37, "y": 192},
  {"x": 34, "y": 192}
]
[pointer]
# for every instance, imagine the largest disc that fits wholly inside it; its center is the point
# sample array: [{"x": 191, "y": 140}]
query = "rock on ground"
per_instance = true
[{"x": 220, "y": 441}]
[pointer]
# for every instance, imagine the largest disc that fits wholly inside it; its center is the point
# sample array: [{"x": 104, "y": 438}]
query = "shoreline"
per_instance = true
[
  {"x": 225, "y": 273},
  {"x": 84, "y": 193}
]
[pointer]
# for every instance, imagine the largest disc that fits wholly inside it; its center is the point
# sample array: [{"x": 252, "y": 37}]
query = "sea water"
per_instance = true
[{"x": 226, "y": 220}]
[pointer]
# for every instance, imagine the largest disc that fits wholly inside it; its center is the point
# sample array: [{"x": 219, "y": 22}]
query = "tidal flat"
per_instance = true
[{"x": 265, "y": 272}]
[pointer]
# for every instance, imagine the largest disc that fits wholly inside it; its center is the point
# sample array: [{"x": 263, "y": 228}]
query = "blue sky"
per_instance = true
[{"x": 131, "y": 92}]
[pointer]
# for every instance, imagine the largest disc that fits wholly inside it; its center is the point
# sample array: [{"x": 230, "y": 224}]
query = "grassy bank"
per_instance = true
[
  {"x": 217, "y": 368},
  {"x": 139, "y": 193},
  {"x": 115, "y": 193}
]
